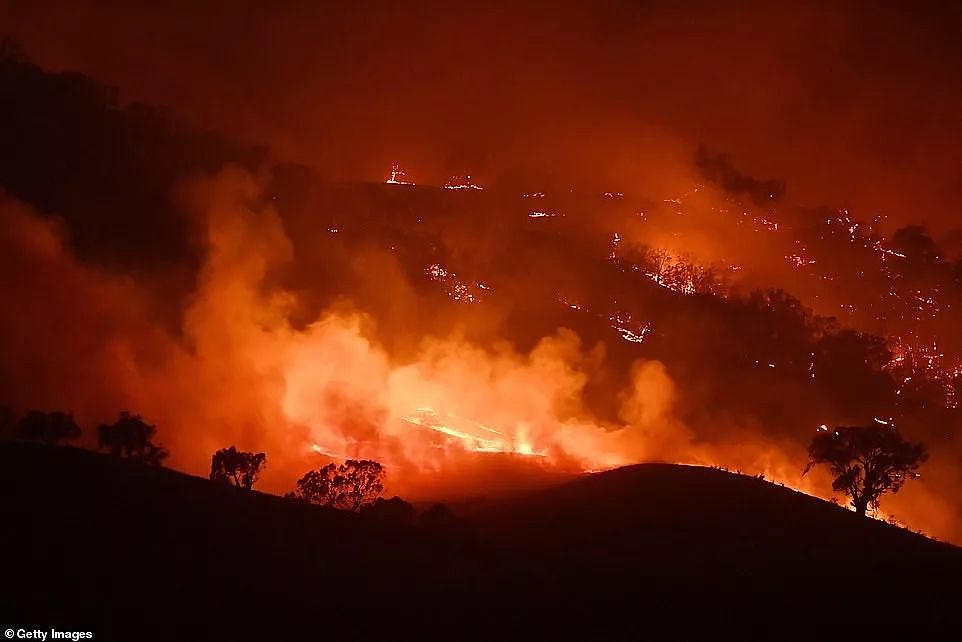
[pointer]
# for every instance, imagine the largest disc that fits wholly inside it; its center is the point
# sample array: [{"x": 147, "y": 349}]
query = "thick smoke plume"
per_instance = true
[
  {"x": 450, "y": 418},
  {"x": 239, "y": 372},
  {"x": 719, "y": 168},
  {"x": 312, "y": 320}
]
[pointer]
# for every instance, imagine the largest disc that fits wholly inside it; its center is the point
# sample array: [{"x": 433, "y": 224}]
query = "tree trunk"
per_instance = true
[{"x": 861, "y": 504}]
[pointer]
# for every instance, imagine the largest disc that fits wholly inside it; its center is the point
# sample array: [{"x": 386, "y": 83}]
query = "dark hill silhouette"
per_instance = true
[
  {"x": 735, "y": 532},
  {"x": 134, "y": 552}
]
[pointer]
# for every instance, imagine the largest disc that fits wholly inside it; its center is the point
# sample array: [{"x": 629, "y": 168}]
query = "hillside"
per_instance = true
[
  {"x": 132, "y": 553},
  {"x": 729, "y": 543},
  {"x": 118, "y": 213}
]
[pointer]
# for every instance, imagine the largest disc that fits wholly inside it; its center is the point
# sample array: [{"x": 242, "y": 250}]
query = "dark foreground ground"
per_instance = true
[{"x": 96, "y": 544}]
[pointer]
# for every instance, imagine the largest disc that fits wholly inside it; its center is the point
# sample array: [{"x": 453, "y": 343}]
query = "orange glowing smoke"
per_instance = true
[{"x": 240, "y": 372}]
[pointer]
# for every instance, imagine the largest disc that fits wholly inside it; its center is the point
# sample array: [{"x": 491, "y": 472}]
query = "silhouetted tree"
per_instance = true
[
  {"x": 236, "y": 467},
  {"x": 349, "y": 486},
  {"x": 46, "y": 427},
  {"x": 394, "y": 510},
  {"x": 364, "y": 482},
  {"x": 867, "y": 461},
  {"x": 849, "y": 368},
  {"x": 130, "y": 436},
  {"x": 915, "y": 243},
  {"x": 317, "y": 486},
  {"x": 780, "y": 327}
]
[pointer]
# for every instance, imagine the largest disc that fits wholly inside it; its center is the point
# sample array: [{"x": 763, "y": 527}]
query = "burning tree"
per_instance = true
[
  {"x": 236, "y": 468},
  {"x": 867, "y": 461},
  {"x": 349, "y": 486},
  {"x": 130, "y": 436},
  {"x": 47, "y": 427}
]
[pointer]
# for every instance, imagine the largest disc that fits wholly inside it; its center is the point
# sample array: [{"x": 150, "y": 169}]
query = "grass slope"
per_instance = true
[{"x": 95, "y": 543}]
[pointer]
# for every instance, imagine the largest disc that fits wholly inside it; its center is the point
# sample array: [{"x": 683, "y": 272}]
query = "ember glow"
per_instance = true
[
  {"x": 397, "y": 176},
  {"x": 453, "y": 287},
  {"x": 543, "y": 214},
  {"x": 470, "y": 435},
  {"x": 662, "y": 252},
  {"x": 461, "y": 182}
]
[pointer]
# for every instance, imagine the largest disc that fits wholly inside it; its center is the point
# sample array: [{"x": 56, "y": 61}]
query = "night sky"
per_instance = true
[{"x": 853, "y": 104}]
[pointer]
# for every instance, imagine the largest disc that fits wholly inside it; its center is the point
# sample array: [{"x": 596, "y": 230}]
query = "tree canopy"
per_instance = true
[
  {"x": 348, "y": 486},
  {"x": 237, "y": 468},
  {"x": 867, "y": 461},
  {"x": 47, "y": 427},
  {"x": 132, "y": 437}
]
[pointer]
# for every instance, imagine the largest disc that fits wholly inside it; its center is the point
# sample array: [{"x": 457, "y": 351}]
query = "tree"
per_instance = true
[
  {"x": 46, "y": 427},
  {"x": 236, "y": 468},
  {"x": 364, "y": 482},
  {"x": 130, "y": 436},
  {"x": 849, "y": 367},
  {"x": 915, "y": 243},
  {"x": 349, "y": 486},
  {"x": 779, "y": 326},
  {"x": 867, "y": 461},
  {"x": 318, "y": 486}
]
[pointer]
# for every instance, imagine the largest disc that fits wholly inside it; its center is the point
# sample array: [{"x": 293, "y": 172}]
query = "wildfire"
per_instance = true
[
  {"x": 759, "y": 223},
  {"x": 914, "y": 363},
  {"x": 800, "y": 258},
  {"x": 543, "y": 214},
  {"x": 397, "y": 176},
  {"x": 471, "y": 435},
  {"x": 629, "y": 329},
  {"x": 320, "y": 450},
  {"x": 331, "y": 389},
  {"x": 456, "y": 289},
  {"x": 459, "y": 181},
  {"x": 678, "y": 273}
]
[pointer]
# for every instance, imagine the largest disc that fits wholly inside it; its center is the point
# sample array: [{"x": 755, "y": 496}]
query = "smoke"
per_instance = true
[
  {"x": 73, "y": 336},
  {"x": 449, "y": 417},
  {"x": 718, "y": 168},
  {"x": 832, "y": 97},
  {"x": 239, "y": 372},
  {"x": 301, "y": 341}
]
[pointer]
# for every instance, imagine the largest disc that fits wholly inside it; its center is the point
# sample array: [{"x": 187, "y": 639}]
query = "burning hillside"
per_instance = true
[
  {"x": 430, "y": 403},
  {"x": 530, "y": 321}
]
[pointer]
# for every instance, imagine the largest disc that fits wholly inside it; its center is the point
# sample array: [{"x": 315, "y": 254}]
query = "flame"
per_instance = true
[
  {"x": 241, "y": 371},
  {"x": 459, "y": 181},
  {"x": 471, "y": 435},
  {"x": 397, "y": 176}
]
